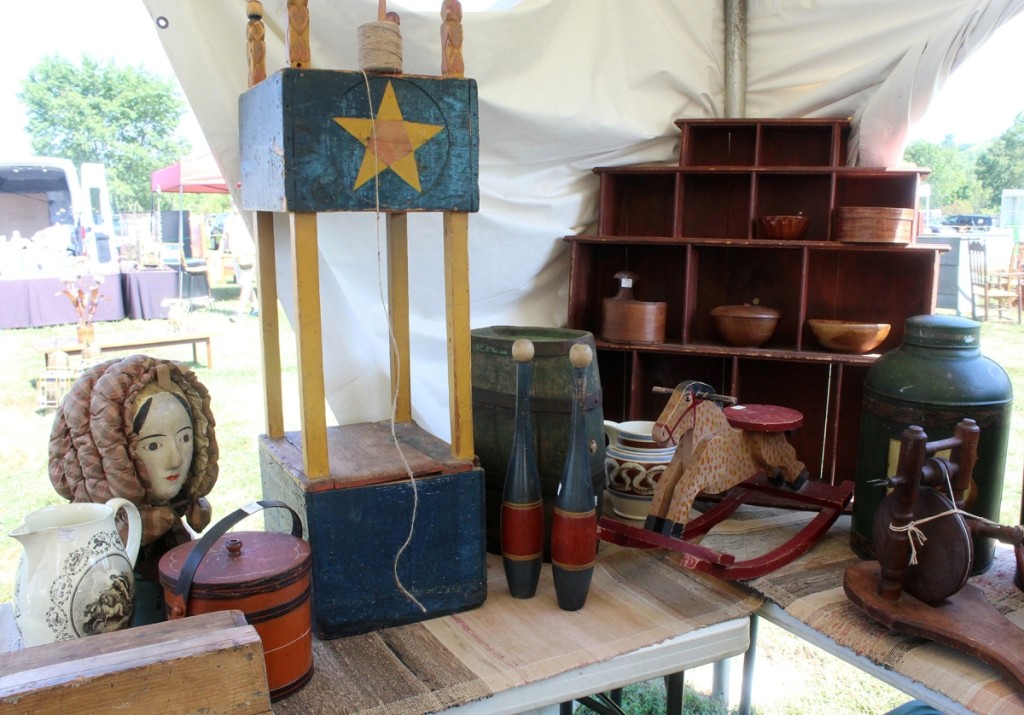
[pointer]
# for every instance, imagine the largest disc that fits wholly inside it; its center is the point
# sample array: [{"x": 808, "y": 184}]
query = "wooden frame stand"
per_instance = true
[{"x": 316, "y": 141}]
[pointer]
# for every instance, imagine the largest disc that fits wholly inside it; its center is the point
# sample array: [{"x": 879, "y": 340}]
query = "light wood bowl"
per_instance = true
[
  {"x": 745, "y": 326},
  {"x": 847, "y": 336}
]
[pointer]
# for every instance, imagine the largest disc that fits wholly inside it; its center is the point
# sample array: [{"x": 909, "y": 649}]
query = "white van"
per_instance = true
[{"x": 42, "y": 201}]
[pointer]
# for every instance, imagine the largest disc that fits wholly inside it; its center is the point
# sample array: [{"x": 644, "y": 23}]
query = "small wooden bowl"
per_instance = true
[
  {"x": 745, "y": 326},
  {"x": 784, "y": 227},
  {"x": 847, "y": 336}
]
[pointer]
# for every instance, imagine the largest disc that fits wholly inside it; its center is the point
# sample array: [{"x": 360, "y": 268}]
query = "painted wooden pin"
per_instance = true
[
  {"x": 522, "y": 505},
  {"x": 574, "y": 527}
]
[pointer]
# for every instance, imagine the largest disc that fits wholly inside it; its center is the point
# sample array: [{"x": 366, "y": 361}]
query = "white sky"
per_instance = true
[{"x": 978, "y": 102}]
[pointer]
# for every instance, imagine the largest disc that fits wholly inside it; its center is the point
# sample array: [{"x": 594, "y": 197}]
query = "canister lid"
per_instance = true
[
  {"x": 241, "y": 560},
  {"x": 942, "y": 331},
  {"x": 747, "y": 310}
]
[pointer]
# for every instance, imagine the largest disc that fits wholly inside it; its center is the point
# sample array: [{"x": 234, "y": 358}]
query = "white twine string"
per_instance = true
[
  {"x": 380, "y": 47},
  {"x": 912, "y": 530},
  {"x": 393, "y": 345}
]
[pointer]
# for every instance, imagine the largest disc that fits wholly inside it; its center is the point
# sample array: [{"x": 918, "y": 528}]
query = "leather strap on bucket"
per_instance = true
[{"x": 177, "y": 601}]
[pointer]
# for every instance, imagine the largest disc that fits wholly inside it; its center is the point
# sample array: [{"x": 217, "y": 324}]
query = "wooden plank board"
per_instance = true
[
  {"x": 456, "y": 282},
  {"x": 309, "y": 339},
  {"x": 398, "y": 314},
  {"x": 138, "y": 342},
  {"x": 109, "y": 671},
  {"x": 270, "y": 333},
  {"x": 365, "y": 453}
]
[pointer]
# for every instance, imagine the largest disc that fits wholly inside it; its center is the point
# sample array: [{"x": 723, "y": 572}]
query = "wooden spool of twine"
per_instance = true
[{"x": 380, "y": 47}]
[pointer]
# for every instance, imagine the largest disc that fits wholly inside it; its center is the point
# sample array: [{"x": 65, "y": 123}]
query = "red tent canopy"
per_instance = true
[{"x": 194, "y": 175}]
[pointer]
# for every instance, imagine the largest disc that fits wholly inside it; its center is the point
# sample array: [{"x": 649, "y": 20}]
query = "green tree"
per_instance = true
[
  {"x": 1001, "y": 166},
  {"x": 955, "y": 188},
  {"x": 122, "y": 117}
]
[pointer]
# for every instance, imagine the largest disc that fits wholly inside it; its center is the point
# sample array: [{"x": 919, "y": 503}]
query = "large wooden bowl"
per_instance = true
[
  {"x": 847, "y": 336},
  {"x": 745, "y": 326}
]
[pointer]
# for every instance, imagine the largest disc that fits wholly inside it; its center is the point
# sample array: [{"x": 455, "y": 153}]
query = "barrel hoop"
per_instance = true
[
  {"x": 278, "y": 610},
  {"x": 494, "y": 398},
  {"x": 987, "y": 417},
  {"x": 218, "y": 592},
  {"x": 289, "y": 688},
  {"x": 541, "y": 347}
]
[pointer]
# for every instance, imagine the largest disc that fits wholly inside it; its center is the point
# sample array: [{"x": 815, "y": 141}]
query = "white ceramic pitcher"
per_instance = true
[{"x": 76, "y": 576}]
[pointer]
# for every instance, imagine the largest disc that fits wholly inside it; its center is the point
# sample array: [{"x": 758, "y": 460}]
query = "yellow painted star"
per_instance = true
[{"x": 390, "y": 141}]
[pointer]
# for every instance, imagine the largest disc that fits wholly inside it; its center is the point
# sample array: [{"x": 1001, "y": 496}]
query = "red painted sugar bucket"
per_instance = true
[{"x": 265, "y": 575}]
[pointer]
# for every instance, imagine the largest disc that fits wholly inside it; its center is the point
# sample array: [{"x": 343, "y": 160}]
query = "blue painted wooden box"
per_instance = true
[
  {"x": 326, "y": 140},
  {"x": 357, "y": 519}
]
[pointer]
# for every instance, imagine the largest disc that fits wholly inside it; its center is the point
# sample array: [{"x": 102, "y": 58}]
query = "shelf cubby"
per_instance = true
[{"x": 690, "y": 233}]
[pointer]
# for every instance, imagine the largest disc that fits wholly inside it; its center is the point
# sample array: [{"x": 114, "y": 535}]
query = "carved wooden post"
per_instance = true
[
  {"x": 297, "y": 35},
  {"x": 305, "y": 263},
  {"x": 895, "y": 556},
  {"x": 257, "y": 47},
  {"x": 266, "y": 262},
  {"x": 451, "y": 39},
  {"x": 456, "y": 254}
]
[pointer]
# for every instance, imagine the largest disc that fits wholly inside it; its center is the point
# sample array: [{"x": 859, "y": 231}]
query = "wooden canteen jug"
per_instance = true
[{"x": 76, "y": 577}]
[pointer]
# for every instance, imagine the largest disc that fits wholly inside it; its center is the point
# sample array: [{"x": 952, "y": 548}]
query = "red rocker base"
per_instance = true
[{"x": 830, "y": 501}]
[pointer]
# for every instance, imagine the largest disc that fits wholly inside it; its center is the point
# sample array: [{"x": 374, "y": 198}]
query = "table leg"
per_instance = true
[
  {"x": 674, "y": 694},
  {"x": 600, "y": 704},
  {"x": 748, "y": 669}
]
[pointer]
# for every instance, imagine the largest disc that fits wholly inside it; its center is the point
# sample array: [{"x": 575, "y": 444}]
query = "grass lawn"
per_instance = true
[{"x": 789, "y": 675}]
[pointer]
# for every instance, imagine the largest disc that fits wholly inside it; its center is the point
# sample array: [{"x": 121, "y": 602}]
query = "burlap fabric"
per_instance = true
[
  {"x": 811, "y": 590},
  {"x": 636, "y": 599}
]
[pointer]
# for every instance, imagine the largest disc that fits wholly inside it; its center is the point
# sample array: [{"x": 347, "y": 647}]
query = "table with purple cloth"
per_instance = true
[
  {"x": 35, "y": 301},
  {"x": 146, "y": 290}
]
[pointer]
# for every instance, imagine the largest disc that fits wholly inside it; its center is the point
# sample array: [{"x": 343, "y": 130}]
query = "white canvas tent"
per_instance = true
[{"x": 564, "y": 85}]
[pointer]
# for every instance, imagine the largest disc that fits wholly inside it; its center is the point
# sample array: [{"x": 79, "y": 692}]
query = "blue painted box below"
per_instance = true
[{"x": 356, "y": 525}]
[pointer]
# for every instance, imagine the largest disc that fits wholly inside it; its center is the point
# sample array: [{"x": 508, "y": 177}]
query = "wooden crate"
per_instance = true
[
  {"x": 357, "y": 519},
  {"x": 211, "y": 663}
]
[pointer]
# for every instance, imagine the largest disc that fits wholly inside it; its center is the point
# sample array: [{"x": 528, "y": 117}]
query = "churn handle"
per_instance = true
[{"x": 177, "y": 603}]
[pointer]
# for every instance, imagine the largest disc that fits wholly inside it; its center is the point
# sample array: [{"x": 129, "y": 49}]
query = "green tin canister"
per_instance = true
[{"x": 934, "y": 379}]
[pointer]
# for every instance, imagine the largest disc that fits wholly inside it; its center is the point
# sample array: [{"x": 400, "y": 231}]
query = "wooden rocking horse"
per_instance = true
[
  {"x": 713, "y": 456},
  {"x": 923, "y": 538},
  {"x": 718, "y": 449}
]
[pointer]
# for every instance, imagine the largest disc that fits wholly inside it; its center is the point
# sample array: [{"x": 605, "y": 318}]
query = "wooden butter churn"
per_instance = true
[{"x": 265, "y": 575}]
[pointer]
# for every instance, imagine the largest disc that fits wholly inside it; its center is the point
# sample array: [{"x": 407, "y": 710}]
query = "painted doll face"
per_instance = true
[{"x": 165, "y": 446}]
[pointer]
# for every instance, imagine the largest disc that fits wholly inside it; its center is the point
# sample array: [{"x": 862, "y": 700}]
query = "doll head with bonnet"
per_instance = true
[{"x": 138, "y": 428}]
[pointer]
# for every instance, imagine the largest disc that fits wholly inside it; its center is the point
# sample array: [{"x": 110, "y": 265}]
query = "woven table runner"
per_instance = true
[
  {"x": 811, "y": 590},
  {"x": 636, "y": 599}
]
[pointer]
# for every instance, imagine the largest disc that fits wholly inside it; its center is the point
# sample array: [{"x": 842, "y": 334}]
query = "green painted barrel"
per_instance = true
[{"x": 494, "y": 410}]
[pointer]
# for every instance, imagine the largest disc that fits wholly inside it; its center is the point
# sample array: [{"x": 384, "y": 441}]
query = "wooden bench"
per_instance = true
[{"x": 140, "y": 342}]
